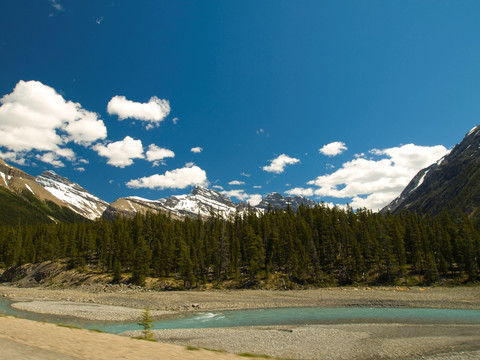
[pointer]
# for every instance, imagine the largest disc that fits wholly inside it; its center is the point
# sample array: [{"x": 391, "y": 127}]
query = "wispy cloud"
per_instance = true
[
  {"x": 236, "y": 182},
  {"x": 56, "y": 5},
  {"x": 240, "y": 194}
]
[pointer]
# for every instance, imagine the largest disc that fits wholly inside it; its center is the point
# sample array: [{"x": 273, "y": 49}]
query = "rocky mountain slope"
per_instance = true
[
  {"x": 23, "y": 200},
  {"x": 77, "y": 198},
  {"x": 451, "y": 183},
  {"x": 201, "y": 202}
]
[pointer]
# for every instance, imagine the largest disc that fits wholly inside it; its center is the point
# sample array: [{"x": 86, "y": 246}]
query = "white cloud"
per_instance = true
[
  {"x": 257, "y": 186},
  {"x": 121, "y": 153},
  {"x": 300, "y": 192},
  {"x": 252, "y": 199},
  {"x": 34, "y": 117},
  {"x": 156, "y": 154},
  {"x": 80, "y": 169},
  {"x": 333, "y": 149},
  {"x": 153, "y": 112},
  {"x": 12, "y": 156},
  {"x": 175, "y": 120},
  {"x": 175, "y": 179},
  {"x": 57, "y": 6},
  {"x": 278, "y": 165},
  {"x": 51, "y": 158},
  {"x": 373, "y": 183},
  {"x": 99, "y": 20},
  {"x": 245, "y": 174},
  {"x": 236, "y": 182},
  {"x": 196, "y": 150},
  {"x": 217, "y": 187}
]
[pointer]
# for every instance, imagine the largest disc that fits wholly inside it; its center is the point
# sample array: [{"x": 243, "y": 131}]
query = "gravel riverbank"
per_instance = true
[{"x": 335, "y": 341}]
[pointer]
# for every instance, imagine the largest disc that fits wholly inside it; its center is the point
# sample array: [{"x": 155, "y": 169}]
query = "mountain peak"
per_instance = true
[
  {"x": 278, "y": 201},
  {"x": 452, "y": 182}
]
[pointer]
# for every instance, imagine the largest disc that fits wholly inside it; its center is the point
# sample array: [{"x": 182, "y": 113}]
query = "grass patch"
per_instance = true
[
  {"x": 255, "y": 356},
  {"x": 97, "y": 330},
  {"x": 192, "y": 348},
  {"x": 142, "y": 338}
]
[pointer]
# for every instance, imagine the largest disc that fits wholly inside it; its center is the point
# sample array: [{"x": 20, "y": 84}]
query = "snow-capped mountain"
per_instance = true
[
  {"x": 201, "y": 202},
  {"x": 76, "y": 197},
  {"x": 450, "y": 183},
  {"x": 17, "y": 181},
  {"x": 278, "y": 201}
]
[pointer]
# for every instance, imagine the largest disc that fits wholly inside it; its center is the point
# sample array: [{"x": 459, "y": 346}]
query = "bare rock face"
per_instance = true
[{"x": 451, "y": 183}]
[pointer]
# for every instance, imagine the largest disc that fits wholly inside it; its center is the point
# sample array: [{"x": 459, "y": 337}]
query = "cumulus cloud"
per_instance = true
[
  {"x": 153, "y": 112},
  {"x": 196, "y": 150},
  {"x": 374, "y": 182},
  {"x": 156, "y": 154},
  {"x": 34, "y": 117},
  {"x": 300, "y": 192},
  {"x": 278, "y": 164},
  {"x": 176, "y": 179},
  {"x": 252, "y": 199},
  {"x": 333, "y": 149},
  {"x": 236, "y": 182},
  {"x": 217, "y": 187},
  {"x": 121, "y": 153}
]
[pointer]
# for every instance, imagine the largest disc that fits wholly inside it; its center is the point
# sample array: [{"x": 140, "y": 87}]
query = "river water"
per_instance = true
[{"x": 266, "y": 317}]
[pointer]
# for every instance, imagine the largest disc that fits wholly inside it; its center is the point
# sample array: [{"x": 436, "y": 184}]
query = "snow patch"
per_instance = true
[
  {"x": 420, "y": 182},
  {"x": 473, "y": 130},
  {"x": 131, "y": 206},
  {"x": 4, "y": 179},
  {"x": 29, "y": 188}
]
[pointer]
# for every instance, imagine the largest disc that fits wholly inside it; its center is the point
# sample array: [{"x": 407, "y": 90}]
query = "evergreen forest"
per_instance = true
[{"x": 315, "y": 246}]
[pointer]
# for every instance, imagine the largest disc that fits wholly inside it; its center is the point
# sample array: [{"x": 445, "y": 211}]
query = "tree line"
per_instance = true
[{"x": 315, "y": 246}]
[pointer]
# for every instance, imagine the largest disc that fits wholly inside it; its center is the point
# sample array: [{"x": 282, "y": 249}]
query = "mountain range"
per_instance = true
[
  {"x": 450, "y": 183},
  {"x": 51, "y": 197}
]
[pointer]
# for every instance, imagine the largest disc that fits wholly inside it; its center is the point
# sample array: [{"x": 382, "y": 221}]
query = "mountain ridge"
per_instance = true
[{"x": 450, "y": 183}]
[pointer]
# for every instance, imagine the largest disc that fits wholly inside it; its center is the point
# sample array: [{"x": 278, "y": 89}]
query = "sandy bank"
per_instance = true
[{"x": 29, "y": 340}]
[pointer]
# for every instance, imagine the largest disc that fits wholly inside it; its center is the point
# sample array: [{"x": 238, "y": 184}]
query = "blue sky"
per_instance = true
[{"x": 115, "y": 94}]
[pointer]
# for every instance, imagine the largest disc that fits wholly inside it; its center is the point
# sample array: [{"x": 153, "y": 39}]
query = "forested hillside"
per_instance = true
[{"x": 317, "y": 246}]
